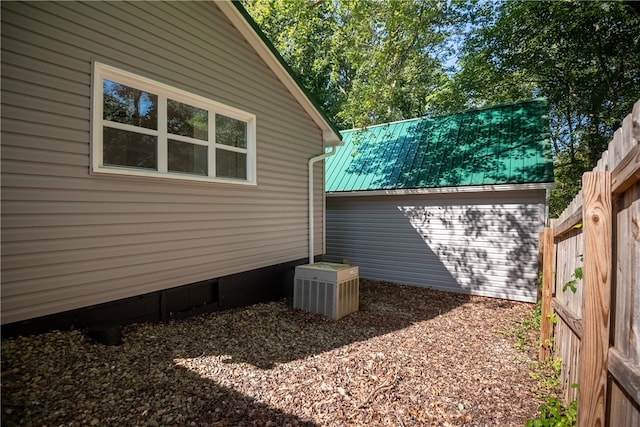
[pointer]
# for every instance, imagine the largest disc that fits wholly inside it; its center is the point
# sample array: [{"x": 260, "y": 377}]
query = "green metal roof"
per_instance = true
[{"x": 506, "y": 144}]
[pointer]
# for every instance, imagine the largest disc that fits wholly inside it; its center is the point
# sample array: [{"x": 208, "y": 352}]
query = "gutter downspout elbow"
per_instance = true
[{"x": 312, "y": 161}]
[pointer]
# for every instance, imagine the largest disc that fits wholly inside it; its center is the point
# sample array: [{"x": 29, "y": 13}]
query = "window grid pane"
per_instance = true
[
  {"x": 124, "y": 104},
  {"x": 186, "y": 120},
  {"x": 231, "y": 132},
  {"x": 123, "y": 148},
  {"x": 230, "y": 164},
  {"x": 189, "y": 158}
]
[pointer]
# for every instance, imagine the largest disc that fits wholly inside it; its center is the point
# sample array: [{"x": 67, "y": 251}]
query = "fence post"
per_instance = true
[
  {"x": 594, "y": 346},
  {"x": 548, "y": 254}
]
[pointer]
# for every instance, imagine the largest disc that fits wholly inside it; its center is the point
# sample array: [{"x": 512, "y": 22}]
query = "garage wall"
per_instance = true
[{"x": 476, "y": 243}]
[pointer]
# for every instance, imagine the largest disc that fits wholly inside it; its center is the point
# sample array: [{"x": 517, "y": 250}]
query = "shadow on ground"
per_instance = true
[
  {"x": 268, "y": 334},
  {"x": 62, "y": 378}
]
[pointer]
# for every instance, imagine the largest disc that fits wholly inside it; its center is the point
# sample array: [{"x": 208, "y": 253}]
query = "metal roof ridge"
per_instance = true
[
  {"x": 387, "y": 124},
  {"x": 458, "y": 113}
]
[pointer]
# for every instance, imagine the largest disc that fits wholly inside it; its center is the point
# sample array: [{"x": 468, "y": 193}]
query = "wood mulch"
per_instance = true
[{"x": 409, "y": 357}]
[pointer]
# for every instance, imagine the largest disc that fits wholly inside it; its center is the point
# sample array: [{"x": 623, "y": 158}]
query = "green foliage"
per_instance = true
[
  {"x": 526, "y": 330},
  {"x": 539, "y": 280},
  {"x": 370, "y": 62},
  {"x": 367, "y": 62},
  {"x": 577, "y": 275},
  {"x": 555, "y": 414},
  {"x": 571, "y": 284},
  {"x": 546, "y": 373},
  {"x": 583, "y": 57}
]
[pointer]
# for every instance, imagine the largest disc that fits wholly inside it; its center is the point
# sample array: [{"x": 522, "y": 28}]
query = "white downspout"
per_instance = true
[{"x": 311, "y": 163}]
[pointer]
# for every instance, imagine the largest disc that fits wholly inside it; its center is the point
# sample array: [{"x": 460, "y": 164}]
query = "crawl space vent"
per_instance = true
[{"x": 327, "y": 288}]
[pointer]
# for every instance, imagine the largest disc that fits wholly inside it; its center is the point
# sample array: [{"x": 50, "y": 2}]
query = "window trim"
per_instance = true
[{"x": 103, "y": 71}]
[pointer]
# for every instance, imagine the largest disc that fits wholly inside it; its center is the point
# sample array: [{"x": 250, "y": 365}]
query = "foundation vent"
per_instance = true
[{"x": 326, "y": 288}]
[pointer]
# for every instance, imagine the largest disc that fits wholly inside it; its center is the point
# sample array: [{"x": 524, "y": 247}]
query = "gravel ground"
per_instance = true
[{"x": 409, "y": 357}]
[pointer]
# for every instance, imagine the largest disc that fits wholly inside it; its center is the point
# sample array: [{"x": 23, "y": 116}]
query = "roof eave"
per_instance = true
[
  {"x": 445, "y": 190},
  {"x": 241, "y": 19}
]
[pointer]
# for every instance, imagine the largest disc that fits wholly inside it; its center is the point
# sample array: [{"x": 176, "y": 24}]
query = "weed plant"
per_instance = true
[{"x": 546, "y": 373}]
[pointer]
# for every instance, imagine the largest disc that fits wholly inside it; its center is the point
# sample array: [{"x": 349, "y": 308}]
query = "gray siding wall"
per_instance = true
[
  {"x": 476, "y": 243},
  {"x": 70, "y": 239}
]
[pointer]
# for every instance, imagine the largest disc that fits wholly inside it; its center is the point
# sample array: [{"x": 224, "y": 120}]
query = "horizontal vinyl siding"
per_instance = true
[
  {"x": 477, "y": 243},
  {"x": 70, "y": 239}
]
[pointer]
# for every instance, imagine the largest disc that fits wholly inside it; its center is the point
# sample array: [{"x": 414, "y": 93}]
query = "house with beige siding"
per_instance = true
[
  {"x": 155, "y": 160},
  {"x": 453, "y": 203}
]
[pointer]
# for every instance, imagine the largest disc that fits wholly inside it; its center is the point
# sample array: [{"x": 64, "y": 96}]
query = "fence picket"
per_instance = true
[
  {"x": 547, "y": 293},
  {"x": 594, "y": 348}
]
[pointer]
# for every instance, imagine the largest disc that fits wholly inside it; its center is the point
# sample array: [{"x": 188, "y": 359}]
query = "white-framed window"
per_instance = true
[{"x": 146, "y": 128}]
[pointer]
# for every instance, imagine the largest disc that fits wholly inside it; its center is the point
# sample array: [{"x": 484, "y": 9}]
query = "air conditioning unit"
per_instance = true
[{"x": 327, "y": 288}]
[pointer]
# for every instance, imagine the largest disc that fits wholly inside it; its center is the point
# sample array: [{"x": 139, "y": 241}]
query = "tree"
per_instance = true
[
  {"x": 367, "y": 62},
  {"x": 584, "y": 57},
  {"x": 371, "y": 62}
]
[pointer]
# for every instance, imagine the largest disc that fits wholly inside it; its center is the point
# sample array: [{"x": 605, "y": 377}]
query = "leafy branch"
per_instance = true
[{"x": 577, "y": 275}]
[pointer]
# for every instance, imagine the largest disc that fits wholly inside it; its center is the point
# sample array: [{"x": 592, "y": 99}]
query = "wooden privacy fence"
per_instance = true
[{"x": 593, "y": 251}]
